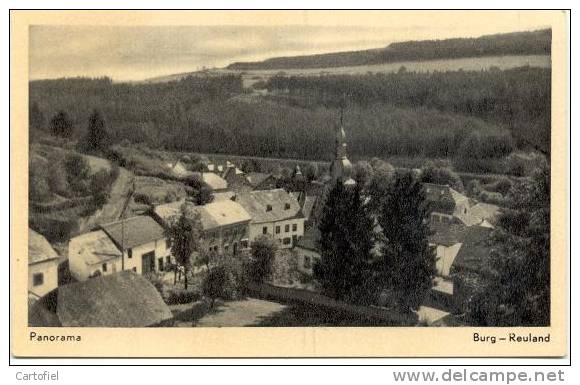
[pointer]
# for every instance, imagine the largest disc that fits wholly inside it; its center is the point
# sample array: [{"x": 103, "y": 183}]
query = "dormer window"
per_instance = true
[
  {"x": 268, "y": 207},
  {"x": 287, "y": 206}
]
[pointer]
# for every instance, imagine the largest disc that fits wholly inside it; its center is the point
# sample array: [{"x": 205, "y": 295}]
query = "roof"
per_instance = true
[
  {"x": 257, "y": 178},
  {"x": 39, "y": 250},
  {"x": 178, "y": 169},
  {"x": 167, "y": 211},
  {"x": 447, "y": 234},
  {"x": 214, "y": 181},
  {"x": 474, "y": 254},
  {"x": 222, "y": 196},
  {"x": 134, "y": 231},
  {"x": 440, "y": 197},
  {"x": 96, "y": 247},
  {"x": 124, "y": 299},
  {"x": 310, "y": 239},
  {"x": 484, "y": 212},
  {"x": 219, "y": 213},
  {"x": 269, "y": 205},
  {"x": 222, "y": 213}
]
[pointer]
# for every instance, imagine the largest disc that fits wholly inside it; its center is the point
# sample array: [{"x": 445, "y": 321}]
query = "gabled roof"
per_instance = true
[
  {"x": 222, "y": 213},
  {"x": 96, "y": 247},
  {"x": 219, "y": 213},
  {"x": 178, "y": 169},
  {"x": 484, "y": 212},
  {"x": 447, "y": 234},
  {"x": 134, "y": 231},
  {"x": 474, "y": 254},
  {"x": 257, "y": 178},
  {"x": 39, "y": 250},
  {"x": 124, "y": 299},
  {"x": 269, "y": 205},
  {"x": 214, "y": 181},
  {"x": 440, "y": 198}
]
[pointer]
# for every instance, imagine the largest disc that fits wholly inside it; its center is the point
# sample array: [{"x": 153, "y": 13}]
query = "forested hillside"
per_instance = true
[
  {"x": 468, "y": 116},
  {"x": 518, "y": 99},
  {"x": 517, "y": 43}
]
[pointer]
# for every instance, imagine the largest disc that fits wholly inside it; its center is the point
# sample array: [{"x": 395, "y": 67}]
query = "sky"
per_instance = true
[{"x": 127, "y": 53}]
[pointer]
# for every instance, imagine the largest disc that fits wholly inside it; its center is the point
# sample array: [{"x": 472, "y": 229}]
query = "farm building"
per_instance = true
[
  {"x": 42, "y": 265},
  {"x": 124, "y": 299},
  {"x": 93, "y": 254}
]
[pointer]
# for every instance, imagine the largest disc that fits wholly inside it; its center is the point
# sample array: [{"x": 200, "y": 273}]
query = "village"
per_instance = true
[{"x": 125, "y": 272}]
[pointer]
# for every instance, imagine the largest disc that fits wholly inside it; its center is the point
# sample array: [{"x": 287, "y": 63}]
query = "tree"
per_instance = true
[
  {"x": 77, "y": 173},
  {"x": 362, "y": 173},
  {"x": 520, "y": 293},
  {"x": 97, "y": 139},
  {"x": 346, "y": 240},
  {"x": 100, "y": 187},
  {"x": 407, "y": 265},
  {"x": 61, "y": 125},
  {"x": 36, "y": 118},
  {"x": 432, "y": 173},
  {"x": 183, "y": 238},
  {"x": 200, "y": 192},
  {"x": 311, "y": 171},
  {"x": 264, "y": 249}
]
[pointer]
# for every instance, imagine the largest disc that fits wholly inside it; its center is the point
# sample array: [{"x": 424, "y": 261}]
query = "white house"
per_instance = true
[
  {"x": 93, "y": 254},
  {"x": 42, "y": 265},
  {"x": 136, "y": 244},
  {"x": 274, "y": 212},
  {"x": 142, "y": 242}
]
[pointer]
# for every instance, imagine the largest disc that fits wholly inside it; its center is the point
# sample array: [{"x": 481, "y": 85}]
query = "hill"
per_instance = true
[{"x": 516, "y": 43}]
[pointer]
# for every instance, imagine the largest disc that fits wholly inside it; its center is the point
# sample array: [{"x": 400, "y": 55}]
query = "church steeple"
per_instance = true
[{"x": 341, "y": 168}]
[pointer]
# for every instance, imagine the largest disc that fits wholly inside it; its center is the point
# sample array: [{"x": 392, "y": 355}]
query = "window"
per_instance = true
[
  {"x": 104, "y": 267},
  {"x": 287, "y": 241},
  {"x": 264, "y": 230},
  {"x": 168, "y": 260},
  {"x": 226, "y": 247},
  {"x": 277, "y": 229},
  {"x": 130, "y": 253},
  {"x": 294, "y": 227},
  {"x": 465, "y": 211},
  {"x": 268, "y": 207},
  {"x": 38, "y": 279},
  {"x": 287, "y": 228},
  {"x": 134, "y": 269},
  {"x": 307, "y": 262},
  {"x": 245, "y": 244},
  {"x": 287, "y": 206}
]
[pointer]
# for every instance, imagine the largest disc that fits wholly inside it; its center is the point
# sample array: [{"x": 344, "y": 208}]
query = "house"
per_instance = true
[
  {"x": 225, "y": 224},
  {"x": 142, "y": 242},
  {"x": 449, "y": 206},
  {"x": 236, "y": 178},
  {"x": 307, "y": 250},
  {"x": 217, "y": 183},
  {"x": 472, "y": 265},
  {"x": 93, "y": 254},
  {"x": 124, "y": 299},
  {"x": 261, "y": 181},
  {"x": 446, "y": 239},
  {"x": 274, "y": 212},
  {"x": 42, "y": 265},
  {"x": 178, "y": 170},
  {"x": 307, "y": 203}
]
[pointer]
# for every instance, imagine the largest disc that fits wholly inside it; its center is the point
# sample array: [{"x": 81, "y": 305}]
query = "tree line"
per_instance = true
[{"x": 518, "y": 99}]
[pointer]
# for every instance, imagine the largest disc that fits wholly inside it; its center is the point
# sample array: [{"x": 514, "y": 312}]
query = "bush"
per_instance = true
[
  {"x": 180, "y": 297},
  {"x": 219, "y": 283}
]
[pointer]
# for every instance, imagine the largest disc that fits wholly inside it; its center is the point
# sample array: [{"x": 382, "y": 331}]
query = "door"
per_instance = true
[{"x": 148, "y": 262}]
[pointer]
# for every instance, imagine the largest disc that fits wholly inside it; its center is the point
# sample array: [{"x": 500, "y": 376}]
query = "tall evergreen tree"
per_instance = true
[
  {"x": 520, "y": 294},
  {"x": 407, "y": 266},
  {"x": 61, "y": 125},
  {"x": 97, "y": 138},
  {"x": 346, "y": 240}
]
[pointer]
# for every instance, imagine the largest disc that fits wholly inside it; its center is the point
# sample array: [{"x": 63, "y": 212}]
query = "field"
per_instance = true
[{"x": 251, "y": 77}]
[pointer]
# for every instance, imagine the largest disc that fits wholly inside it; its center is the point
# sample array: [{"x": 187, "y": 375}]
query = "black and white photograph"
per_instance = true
[{"x": 291, "y": 176}]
